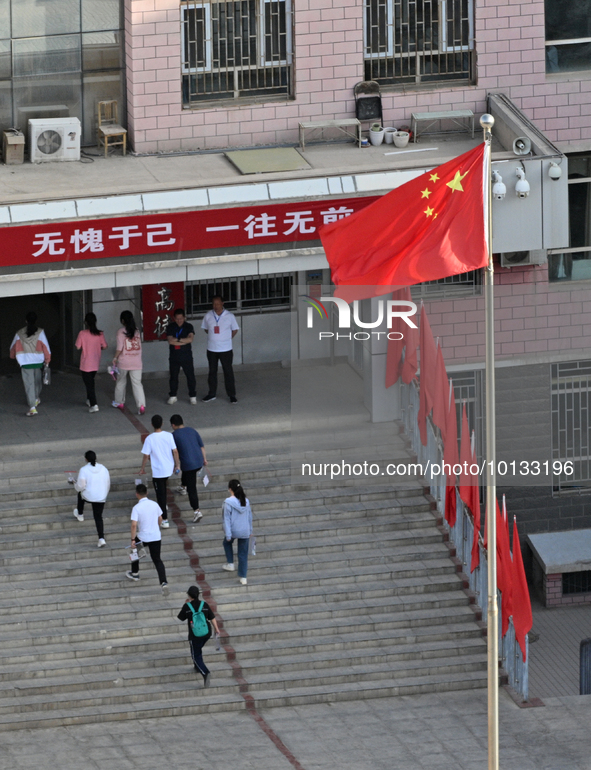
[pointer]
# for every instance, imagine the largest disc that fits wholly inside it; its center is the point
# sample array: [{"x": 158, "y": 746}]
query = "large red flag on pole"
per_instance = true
[
  {"x": 522, "y": 615},
  {"x": 427, "y": 380},
  {"x": 426, "y": 229}
]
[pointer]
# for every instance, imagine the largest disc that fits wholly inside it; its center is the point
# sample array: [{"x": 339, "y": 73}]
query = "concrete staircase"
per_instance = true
[{"x": 352, "y": 593}]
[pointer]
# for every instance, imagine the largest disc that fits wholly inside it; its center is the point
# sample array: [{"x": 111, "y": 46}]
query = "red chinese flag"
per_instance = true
[
  {"x": 465, "y": 460},
  {"x": 474, "y": 506},
  {"x": 522, "y": 616},
  {"x": 396, "y": 346},
  {"x": 450, "y": 452},
  {"x": 428, "y": 228},
  {"x": 411, "y": 364},
  {"x": 440, "y": 394},
  {"x": 450, "y": 504},
  {"x": 427, "y": 380}
]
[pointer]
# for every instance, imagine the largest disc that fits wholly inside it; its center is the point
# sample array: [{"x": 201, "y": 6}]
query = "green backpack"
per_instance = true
[{"x": 199, "y": 625}]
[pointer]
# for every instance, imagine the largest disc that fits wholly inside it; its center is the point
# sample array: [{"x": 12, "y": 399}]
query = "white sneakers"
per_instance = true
[
  {"x": 165, "y": 524},
  {"x": 165, "y": 590},
  {"x": 79, "y": 516},
  {"x": 229, "y": 567},
  {"x": 198, "y": 515},
  {"x": 242, "y": 581},
  {"x": 93, "y": 409},
  {"x": 193, "y": 400},
  {"x": 102, "y": 542},
  {"x": 172, "y": 400},
  {"x": 181, "y": 490}
]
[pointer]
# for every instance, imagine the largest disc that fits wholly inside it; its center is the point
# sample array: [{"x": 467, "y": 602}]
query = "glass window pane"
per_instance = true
[
  {"x": 100, "y": 87},
  {"x": 47, "y": 96},
  {"x": 568, "y": 58},
  {"x": 101, "y": 14},
  {"x": 567, "y": 19},
  {"x": 44, "y": 17},
  {"x": 101, "y": 51},
  {"x": 44, "y": 55},
  {"x": 5, "y": 18},
  {"x": 5, "y": 68},
  {"x": 6, "y": 120}
]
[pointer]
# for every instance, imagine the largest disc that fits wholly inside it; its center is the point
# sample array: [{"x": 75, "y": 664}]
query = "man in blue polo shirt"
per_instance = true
[
  {"x": 192, "y": 456},
  {"x": 180, "y": 335},
  {"x": 221, "y": 327}
]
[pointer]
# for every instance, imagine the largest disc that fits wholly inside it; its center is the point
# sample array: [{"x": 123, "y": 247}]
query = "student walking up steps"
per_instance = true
[
  {"x": 200, "y": 618},
  {"x": 145, "y": 521},
  {"x": 93, "y": 484}
]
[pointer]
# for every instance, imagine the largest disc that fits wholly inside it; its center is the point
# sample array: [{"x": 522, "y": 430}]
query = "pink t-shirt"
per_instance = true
[
  {"x": 130, "y": 357},
  {"x": 91, "y": 346}
]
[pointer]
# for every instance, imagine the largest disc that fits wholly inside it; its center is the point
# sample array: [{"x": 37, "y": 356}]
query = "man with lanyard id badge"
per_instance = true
[
  {"x": 221, "y": 327},
  {"x": 180, "y": 335}
]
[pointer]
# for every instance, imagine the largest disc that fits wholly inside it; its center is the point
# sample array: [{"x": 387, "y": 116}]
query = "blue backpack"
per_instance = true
[{"x": 199, "y": 625}]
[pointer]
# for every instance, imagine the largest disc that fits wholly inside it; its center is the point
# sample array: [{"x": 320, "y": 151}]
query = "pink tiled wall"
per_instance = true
[
  {"x": 328, "y": 39},
  {"x": 532, "y": 316}
]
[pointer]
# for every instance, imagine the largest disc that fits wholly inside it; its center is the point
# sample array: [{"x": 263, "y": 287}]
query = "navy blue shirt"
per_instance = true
[
  {"x": 180, "y": 332},
  {"x": 189, "y": 444}
]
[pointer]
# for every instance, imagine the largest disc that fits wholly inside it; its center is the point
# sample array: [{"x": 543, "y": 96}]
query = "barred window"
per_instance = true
[
  {"x": 418, "y": 41},
  {"x": 571, "y": 422},
  {"x": 465, "y": 284},
  {"x": 235, "y": 49},
  {"x": 249, "y": 294},
  {"x": 568, "y": 35}
]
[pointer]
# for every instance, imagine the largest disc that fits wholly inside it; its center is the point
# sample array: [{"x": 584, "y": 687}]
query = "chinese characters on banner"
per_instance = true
[
  {"x": 158, "y": 304},
  {"x": 62, "y": 242}
]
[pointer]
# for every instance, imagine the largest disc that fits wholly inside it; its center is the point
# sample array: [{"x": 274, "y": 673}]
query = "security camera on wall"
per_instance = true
[
  {"x": 499, "y": 189},
  {"x": 554, "y": 172}
]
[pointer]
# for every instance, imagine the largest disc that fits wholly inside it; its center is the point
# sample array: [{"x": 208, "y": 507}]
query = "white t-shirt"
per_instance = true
[
  {"x": 226, "y": 323},
  {"x": 146, "y": 513},
  {"x": 160, "y": 447}
]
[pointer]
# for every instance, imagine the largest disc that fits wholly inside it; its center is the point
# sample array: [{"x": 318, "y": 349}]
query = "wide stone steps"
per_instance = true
[{"x": 351, "y": 594}]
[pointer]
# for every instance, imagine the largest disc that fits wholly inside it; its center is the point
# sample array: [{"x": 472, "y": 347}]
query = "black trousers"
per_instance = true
[
  {"x": 189, "y": 480},
  {"x": 175, "y": 365},
  {"x": 226, "y": 358},
  {"x": 97, "y": 512},
  {"x": 160, "y": 489},
  {"x": 88, "y": 380},
  {"x": 154, "y": 548},
  {"x": 196, "y": 645}
]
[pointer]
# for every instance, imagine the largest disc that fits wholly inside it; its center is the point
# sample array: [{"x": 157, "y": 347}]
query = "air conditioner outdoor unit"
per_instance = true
[
  {"x": 53, "y": 139},
  {"x": 520, "y": 258}
]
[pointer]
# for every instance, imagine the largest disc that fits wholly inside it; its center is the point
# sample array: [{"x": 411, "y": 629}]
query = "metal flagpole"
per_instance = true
[{"x": 487, "y": 122}]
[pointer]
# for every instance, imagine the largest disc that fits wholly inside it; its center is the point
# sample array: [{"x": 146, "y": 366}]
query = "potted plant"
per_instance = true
[
  {"x": 376, "y": 134},
  {"x": 401, "y": 138}
]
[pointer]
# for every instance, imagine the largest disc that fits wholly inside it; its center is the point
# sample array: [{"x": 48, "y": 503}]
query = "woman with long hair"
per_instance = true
[
  {"x": 31, "y": 349},
  {"x": 128, "y": 359},
  {"x": 91, "y": 341},
  {"x": 237, "y": 518},
  {"x": 93, "y": 484}
]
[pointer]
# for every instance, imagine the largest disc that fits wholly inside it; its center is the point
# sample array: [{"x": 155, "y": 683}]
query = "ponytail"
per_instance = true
[
  {"x": 128, "y": 321},
  {"x": 90, "y": 321},
  {"x": 90, "y": 457},
  {"x": 236, "y": 487},
  {"x": 31, "y": 319}
]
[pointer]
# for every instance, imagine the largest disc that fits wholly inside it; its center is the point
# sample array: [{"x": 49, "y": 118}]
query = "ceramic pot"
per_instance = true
[
  {"x": 401, "y": 138},
  {"x": 376, "y": 137},
  {"x": 389, "y": 134}
]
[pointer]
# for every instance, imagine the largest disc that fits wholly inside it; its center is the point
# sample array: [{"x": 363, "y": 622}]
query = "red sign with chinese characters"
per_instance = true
[
  {"x": 158, "y": 304},
  {"x": 62, "y": 242}
]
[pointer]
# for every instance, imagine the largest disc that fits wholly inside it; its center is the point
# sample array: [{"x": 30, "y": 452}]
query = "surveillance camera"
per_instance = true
[
  {"x": 499, "y": 190},
  {"x": 554, "y": 172},
  {"x": 522, "y": 187}
]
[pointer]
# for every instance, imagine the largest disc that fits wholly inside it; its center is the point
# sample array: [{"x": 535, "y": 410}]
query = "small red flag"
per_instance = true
[
  {"x": 522, "y": 615},
  {"x": 450, "y": 504},
  {"x": 426, "y": 382},
  {"x": 411, "y": 364},
  {"x": 504, "y": 567},
  {"x": 440, "y": 394},
  {"x": 396, "y": 346},
  {"x": 426, "y": 229}
]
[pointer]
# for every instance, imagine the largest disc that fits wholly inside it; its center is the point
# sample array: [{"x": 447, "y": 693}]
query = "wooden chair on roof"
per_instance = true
[{"x": 108, "y": 128}]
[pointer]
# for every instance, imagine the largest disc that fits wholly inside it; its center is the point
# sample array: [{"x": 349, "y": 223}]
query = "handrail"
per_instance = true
[{"x": 461, "y": 535}]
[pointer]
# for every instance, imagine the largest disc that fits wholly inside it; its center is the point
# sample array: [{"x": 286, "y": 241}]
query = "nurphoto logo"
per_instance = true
[{"x": 387, "y": 310}]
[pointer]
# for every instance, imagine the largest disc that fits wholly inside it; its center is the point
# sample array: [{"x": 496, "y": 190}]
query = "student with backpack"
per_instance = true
[{"x": 200, "y": 619}]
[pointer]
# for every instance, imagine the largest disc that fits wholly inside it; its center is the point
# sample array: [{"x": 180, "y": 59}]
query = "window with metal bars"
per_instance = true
[
  {"x": 576, "y": 582},
  {"x": 451, "y": 286},
  {"x": 571, "y": 423},
  {"x": 249, "y": 294},
  {"x": 235, "y": 49},
  {"x": 418, "y": 41}
]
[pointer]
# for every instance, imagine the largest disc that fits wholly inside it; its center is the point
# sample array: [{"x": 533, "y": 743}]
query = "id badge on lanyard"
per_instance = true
[{"x": 216, "y": 328}]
